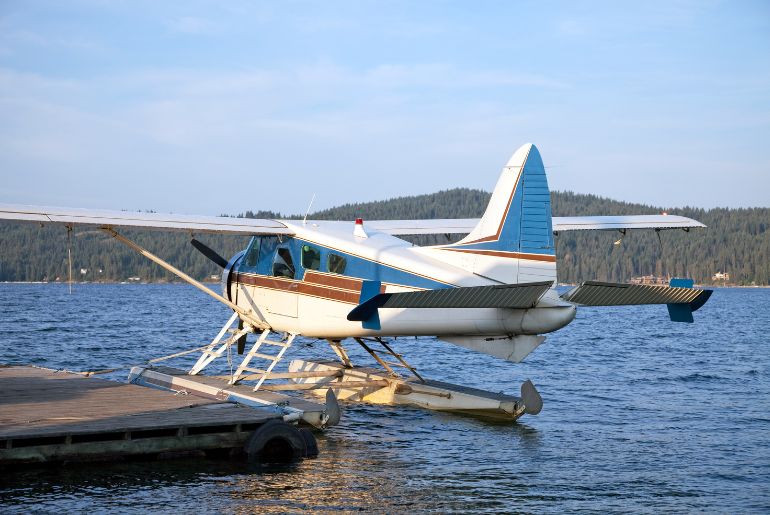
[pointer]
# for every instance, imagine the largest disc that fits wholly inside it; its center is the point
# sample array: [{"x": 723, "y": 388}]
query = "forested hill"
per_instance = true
[{"x": 737, "y": 241}]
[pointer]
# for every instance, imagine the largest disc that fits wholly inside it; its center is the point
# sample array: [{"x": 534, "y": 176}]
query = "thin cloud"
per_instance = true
[{"x": 194, "y": 25}]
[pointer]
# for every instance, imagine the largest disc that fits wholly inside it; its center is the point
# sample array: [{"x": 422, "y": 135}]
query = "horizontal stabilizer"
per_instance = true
[
  {"x": 519, "y": 296},
  {"x": 682, "y": 301},
  {"x": 683, "y": 312},
  {"x": 595, "y": 293}
]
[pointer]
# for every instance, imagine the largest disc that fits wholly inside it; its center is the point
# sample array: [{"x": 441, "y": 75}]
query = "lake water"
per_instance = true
[{"x": 640, "y": 415}]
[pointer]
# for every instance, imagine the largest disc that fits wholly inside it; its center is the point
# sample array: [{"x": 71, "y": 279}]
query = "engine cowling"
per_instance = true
[{"x": 228, "y": 272}]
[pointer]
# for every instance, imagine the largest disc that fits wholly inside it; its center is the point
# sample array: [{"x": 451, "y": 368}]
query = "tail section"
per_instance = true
[{"x": 513, "y": 242}]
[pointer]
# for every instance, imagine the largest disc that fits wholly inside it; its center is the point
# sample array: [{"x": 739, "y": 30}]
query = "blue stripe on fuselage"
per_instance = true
[
  {"x": 362, "y": 268},
  {"x": 356, "y": 267}
]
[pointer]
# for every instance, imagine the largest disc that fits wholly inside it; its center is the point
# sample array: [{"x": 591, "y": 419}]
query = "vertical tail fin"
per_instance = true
[{"x": 513, "y": 242}]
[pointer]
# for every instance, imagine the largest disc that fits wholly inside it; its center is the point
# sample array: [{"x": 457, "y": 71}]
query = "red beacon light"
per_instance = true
[{"x": 358, "y": 230}]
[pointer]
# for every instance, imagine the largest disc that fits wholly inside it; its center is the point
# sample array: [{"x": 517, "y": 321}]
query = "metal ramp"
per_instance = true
[
  {"x": 262, "y": 374},
  {"x": 217, "y": 348}
]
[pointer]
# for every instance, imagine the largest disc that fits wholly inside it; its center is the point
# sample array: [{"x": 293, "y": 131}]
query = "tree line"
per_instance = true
[{"x": 737, "y": 241}]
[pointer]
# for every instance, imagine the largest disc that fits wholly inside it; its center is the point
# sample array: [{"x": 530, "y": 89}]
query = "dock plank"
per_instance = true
[{"x": 37, "y": 402}]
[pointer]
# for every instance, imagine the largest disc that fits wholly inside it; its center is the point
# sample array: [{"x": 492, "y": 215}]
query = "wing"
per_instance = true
[
  {"x": 560, "y": 224},
  {"x": 251, "y": 226},
  {"x": 109, "y": 219},
  {"x": 607, "y": 223}
]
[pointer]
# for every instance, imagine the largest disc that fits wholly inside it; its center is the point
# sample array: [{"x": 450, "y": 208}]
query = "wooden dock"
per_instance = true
[
  {"x": 54, "y": 416},
  {"x": 175, "y": 380}
]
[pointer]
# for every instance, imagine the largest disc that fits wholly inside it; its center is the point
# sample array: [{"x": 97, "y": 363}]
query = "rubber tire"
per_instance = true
[
  {"x": 276, "y": 441},
  {"x": 311, "y": 445}
]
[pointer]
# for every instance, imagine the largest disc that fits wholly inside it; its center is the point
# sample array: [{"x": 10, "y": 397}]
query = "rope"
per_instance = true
[
  {"x": 183, "y": 353},
  {"x": 230, "y": 360},
  {"x": 69, "y": 255},
  {"x": 89, "y": 373},
  {"x": 229, "y": 342}
]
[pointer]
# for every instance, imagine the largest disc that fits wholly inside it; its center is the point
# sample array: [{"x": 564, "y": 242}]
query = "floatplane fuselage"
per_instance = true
[
  {"x": 493, "y": 291},
  {"x": 309, "y": 283}
]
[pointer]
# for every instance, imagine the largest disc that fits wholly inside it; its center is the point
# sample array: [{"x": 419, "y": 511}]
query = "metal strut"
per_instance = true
[
  {"x": 341, "y": 353},
  {"x": 209, "y": 354},
  {"x": 387, "y": 365},
  {"x": 248, "y": 316}
]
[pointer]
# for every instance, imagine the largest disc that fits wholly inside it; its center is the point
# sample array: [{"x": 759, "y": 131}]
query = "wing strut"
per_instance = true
[{"x": 245, "y": 315}]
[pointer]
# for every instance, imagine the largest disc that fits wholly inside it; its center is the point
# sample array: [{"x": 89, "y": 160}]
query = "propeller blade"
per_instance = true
[
  {"x": 209, "y": 253},
  {"x": 242, "y": 339}
]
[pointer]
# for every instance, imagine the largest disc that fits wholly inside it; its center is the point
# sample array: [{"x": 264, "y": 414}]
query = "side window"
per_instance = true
[
  {"x": 336, "y": 263},
  {"x": 252, "y": 254},
  {"x": 311, "y": 257},
  {"x": 283, "y": 265},
  {"x": 266, "y": 255}
]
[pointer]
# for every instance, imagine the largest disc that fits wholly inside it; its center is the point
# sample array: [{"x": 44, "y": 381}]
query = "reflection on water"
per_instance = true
[{"x": 640, "y": 414}]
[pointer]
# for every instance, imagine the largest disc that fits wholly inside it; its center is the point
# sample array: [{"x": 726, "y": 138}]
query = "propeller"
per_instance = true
[{"x": 209, "y": 253}]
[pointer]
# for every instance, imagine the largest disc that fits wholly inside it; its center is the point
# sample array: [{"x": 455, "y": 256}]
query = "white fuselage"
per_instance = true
[{"x": 316, "y": 302}]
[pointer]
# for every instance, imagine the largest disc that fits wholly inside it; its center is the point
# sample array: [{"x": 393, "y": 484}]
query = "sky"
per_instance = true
[{"x": 215, "y": 107}]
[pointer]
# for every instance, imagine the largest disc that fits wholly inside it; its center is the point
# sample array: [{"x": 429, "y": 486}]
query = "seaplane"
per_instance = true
[{"x": 356, "y": 282}]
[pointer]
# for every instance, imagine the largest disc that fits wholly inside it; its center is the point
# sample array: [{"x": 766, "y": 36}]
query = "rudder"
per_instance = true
[{"x": 513, "y": 241}]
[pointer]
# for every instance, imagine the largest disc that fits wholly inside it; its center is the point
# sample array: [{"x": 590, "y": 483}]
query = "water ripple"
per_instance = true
[{"x": 640, "y": 415}]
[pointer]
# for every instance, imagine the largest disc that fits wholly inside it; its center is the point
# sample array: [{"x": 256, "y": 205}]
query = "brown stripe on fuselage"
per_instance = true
[
  {"x": 512, "y": 255},
  {"x": 347, "y": 295},
  {"x": 274, "y": 283},
  {"x": 335, "y": 281}
]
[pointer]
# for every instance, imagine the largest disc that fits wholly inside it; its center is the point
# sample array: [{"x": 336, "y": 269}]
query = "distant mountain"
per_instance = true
[{"x": 737, "y": 241}]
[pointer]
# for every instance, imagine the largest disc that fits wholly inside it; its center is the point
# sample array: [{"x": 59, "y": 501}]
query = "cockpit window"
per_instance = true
[
  {"x": 336, "y": 263},
  {"x": 283, "y": 265},
  {"x": 252, "y": 254},
  {"x": 311, "y": 257}
]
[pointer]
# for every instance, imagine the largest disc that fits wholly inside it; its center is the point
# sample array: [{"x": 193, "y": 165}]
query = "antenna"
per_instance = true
[{"x": 304, "y": 220}]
